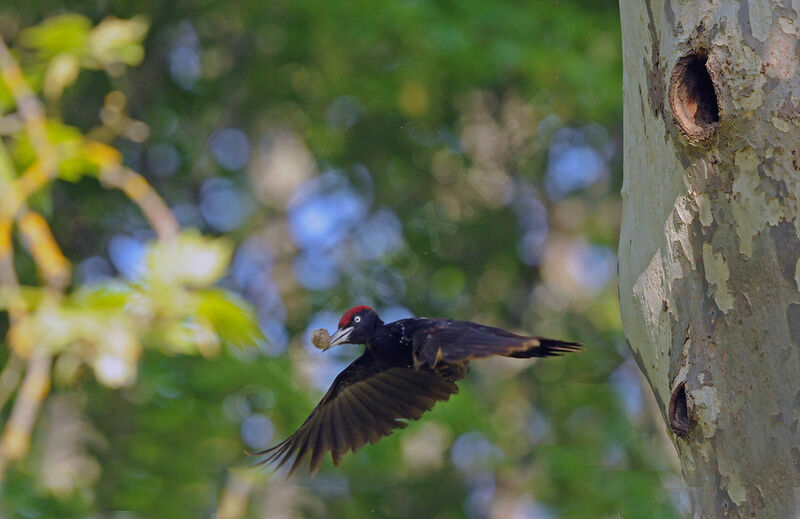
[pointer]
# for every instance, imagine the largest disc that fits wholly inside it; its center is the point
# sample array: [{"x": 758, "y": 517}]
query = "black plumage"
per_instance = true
[{"x": 407, "y": 366}]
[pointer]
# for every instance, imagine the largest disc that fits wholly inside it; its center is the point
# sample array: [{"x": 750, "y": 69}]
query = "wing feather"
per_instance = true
[
  {"x": 411, "y": 401},
  {"x": 367, "y": 424},
  {"x": 345, "y": 417},
  {"x": 408, "y": 384},
  {"x": 337, "y": 425},
  {"x": 367, "y": 401},
  {"x": 390, "y": 407},
  {"x": 322, "y": 445},
  {"x": 302, "y": 444},
  {"x": 383, "y": 416}
]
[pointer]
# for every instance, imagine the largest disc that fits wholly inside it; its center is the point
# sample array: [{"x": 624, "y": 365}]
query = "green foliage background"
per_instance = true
[{"x": 414, "y": 78}]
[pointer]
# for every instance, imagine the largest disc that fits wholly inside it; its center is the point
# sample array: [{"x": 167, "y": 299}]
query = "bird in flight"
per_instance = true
[{"x": 407, "y": 366}]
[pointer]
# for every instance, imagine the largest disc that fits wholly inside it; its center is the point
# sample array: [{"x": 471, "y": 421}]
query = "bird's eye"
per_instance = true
[{"x": 357, "y": 319}]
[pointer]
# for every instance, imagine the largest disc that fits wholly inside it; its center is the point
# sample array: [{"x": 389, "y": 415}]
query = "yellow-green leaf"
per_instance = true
[
  {"x": 59, "y": 34},
  {"x": 118, "y": 41},
  {"x": 190, "y": 259},
  {"x": 232, "y": 318},
  {"x": 61, "y": 73}
]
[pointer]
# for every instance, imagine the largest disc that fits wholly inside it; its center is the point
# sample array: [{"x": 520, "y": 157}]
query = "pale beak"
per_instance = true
[{"x": 341, "y": 336}]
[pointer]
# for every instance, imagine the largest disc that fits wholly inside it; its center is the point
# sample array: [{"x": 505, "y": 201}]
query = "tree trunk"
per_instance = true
[{"x": 710, "y": 240}]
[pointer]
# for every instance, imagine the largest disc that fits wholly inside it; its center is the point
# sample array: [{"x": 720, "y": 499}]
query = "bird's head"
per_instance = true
[{"x": 356, "y": 326}]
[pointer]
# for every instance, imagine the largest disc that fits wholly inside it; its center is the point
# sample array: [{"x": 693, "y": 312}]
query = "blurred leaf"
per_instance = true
[
  {"x": 30, "y": 295},
  {"x": 55, "y": 327},
  {"x": 190, "y": 259},
  {"x": 116, "y": 353},
  {"x": 61, "y": 72},
  {"x": 116, "y": 41},
  {"x": 78, "y": 157},
  {"x": 67, "y": 33},
  {"x": 75, "y": 167},
  {"x": 110, "y": 296},
  {"x": 232, "y": 318},
  {"x": 6, "y": 99},
  {"x": 86, "y": 158},
  {"x": 190, "y": 336},
  {"x": 102, "y": 155}
]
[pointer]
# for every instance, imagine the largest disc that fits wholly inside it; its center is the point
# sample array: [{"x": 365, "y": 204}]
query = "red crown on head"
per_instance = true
[{"x": 348, "y": 315}]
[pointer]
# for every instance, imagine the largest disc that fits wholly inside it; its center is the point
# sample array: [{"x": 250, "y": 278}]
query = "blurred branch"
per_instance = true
[
  {"x": 12, "y": 371},
  {"x": 10, "y": 377},
  {"x": 142, "y": 193},
  {"x": 235, "y": 495},
  {"x": 17, "y": 433},
  {"x": 8, "y": 277},
  {"x": 31, "y": 180},
  {"x": 39, "y": 241},
  {"x": 10, "y": 124}
]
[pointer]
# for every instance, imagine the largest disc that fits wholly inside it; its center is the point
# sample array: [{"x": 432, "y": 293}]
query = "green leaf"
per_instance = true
[
  {"x": 113, "y": 295},
  {"x": 6, "y": 99},
  {"x": 76, "y": 157},
  {"x": 30, "y": 296},
  {"x": 61, "y": 72},
  {"x": 118, "y": 41},
  {"x": 66, "y": 33},
  {"x": 187, "y": 337},
  {"x": 190, "y": 259},
  {"x": 116, "y": 353},
  {"x": 232, "y": 318}
]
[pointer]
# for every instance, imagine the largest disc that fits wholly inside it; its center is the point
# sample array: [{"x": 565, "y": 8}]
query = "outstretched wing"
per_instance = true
[
  {"x": 365, "y": 403},
  {"x": 444, "y": 340}
]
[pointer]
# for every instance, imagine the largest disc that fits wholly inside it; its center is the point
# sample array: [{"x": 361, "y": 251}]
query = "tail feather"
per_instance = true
[{"x": 547, "y": 348}]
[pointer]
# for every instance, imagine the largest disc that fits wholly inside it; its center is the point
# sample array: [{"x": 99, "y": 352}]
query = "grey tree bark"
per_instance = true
[{"x": 709, "y": 269}]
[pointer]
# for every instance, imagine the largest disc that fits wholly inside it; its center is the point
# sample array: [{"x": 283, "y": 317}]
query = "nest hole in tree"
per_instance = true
[
  {"x": 693, "y": 98},
  {"x": 679, "y": 411}
]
